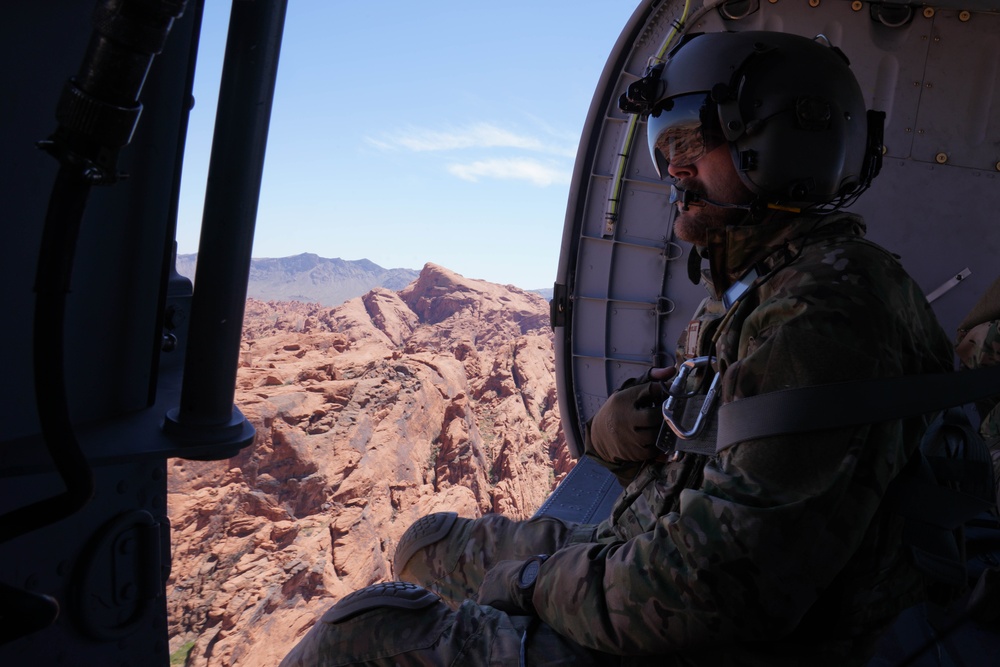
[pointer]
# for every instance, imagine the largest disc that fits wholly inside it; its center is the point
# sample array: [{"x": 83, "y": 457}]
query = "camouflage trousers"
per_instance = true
[
  {"x": 454, "y": 567},
  {"x": 453, "y": 629},
  {"x": 473, "y": 635}
]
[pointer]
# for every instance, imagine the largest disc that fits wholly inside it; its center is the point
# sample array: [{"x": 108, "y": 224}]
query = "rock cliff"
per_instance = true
[{"x": 368, "y": 416}]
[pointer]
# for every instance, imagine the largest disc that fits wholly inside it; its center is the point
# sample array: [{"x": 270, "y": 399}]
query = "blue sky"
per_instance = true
[{"x": 409, "y": 132}]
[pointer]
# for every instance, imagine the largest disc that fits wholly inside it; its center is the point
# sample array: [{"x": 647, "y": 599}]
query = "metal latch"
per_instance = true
[
  {"x": 677, "y": 392},
  {"x": 559, "y": 306}
]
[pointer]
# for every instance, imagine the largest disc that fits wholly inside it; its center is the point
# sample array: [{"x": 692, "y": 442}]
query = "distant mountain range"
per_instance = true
[{"x": 313, "y": 279}]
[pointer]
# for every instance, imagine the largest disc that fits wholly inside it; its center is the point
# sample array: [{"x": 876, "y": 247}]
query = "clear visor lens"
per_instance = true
[{"x": 677, "y": 134}]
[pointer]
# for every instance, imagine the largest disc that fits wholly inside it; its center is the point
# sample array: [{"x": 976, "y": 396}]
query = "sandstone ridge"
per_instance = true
[{"x": 368, "y": 415}]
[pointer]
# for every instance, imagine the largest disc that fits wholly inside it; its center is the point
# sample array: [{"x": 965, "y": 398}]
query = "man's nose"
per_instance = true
[{"x": 679, "y": 171}]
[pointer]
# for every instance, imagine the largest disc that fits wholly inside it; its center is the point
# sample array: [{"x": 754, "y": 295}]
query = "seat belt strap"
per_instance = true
[{"x": 826, "y": 406}]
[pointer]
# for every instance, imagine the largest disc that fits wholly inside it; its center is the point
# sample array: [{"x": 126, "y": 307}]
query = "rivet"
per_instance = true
[
  {"x": 885, "y": 149},
  {"x": 928, "y": 12},
  {"x": 941, "y": 158},
  {"x": 997, "y": 165},
  {"x": 857, "y": 5},
  {"x": 964, "y": 15},
  {"x": 773, "y": 2},
  {"x": 814, "y": 3}
]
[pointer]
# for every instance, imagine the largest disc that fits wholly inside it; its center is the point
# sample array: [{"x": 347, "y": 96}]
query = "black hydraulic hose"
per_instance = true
[{"x": 55, "y": 266}]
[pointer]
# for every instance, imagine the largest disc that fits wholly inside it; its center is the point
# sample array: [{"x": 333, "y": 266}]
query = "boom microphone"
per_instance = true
[{"x": 685, "y": 197}]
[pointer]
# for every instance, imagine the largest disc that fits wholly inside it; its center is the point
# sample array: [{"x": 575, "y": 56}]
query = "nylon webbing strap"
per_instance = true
[
  {"x": 706, "y": 441},
  {"x": 841, "y": 404}
]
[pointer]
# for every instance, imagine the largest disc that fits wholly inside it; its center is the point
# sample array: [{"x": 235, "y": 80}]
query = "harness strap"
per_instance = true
[
  {"x": 820, "y": 407},
  {"x": 704, "y": 443}
]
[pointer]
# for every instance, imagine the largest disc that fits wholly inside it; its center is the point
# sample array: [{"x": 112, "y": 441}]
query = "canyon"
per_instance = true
[{"x": 369, "y": 415}]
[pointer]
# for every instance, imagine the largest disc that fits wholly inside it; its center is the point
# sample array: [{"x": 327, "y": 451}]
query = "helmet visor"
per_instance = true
[{"x": 681, "y": 132}]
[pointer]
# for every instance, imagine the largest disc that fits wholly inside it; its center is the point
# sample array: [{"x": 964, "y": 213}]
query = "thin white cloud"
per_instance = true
[
  {"x": 524, "y": 169},
  {"x": 478, "y": 135}
]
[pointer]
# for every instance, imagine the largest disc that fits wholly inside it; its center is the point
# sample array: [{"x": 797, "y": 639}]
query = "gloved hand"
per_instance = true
[
  {"x": 624, "y": 430},
  {"x": 500, "y": 589}
]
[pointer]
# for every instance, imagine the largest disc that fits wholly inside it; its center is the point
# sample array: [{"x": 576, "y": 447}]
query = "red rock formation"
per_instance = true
[{"x": 368, "y": 416}]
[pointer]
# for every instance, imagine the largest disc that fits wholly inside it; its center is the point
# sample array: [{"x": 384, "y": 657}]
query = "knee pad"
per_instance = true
[
  {"x": 425, "y": 531},
  {"x": 395, "y": 594}
]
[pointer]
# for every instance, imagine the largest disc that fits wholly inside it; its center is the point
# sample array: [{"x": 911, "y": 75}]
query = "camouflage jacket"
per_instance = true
[
  {"x": 777, "y": 548},
  {"x": 978, "y": 346}
]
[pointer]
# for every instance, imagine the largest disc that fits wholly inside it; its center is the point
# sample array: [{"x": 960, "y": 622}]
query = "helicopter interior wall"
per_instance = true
[
  {"x": 938, "y": 79},
  {"x": 936, "y": 235},
  {"x": 114, "y": 307},
  {"x": 107, "y": 563},
  {"x": 107, "y": 567}
]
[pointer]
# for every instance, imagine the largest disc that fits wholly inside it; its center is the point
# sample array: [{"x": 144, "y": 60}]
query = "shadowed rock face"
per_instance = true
[{"x": 368, "y": 416}]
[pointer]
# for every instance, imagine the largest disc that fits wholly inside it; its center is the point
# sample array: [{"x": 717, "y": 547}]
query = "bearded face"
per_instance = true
[{"x": 712, "y": 177}]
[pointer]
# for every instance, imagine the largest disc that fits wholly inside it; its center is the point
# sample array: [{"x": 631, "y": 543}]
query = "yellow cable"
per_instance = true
[{"x": 611, "y": 217}]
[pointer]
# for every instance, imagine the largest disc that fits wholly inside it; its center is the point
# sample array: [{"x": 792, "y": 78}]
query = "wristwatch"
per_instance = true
[{"x": 529, "y": 572}]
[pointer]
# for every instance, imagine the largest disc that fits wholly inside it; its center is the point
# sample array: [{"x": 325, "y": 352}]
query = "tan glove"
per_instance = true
[{"x": 624, "y": 430}]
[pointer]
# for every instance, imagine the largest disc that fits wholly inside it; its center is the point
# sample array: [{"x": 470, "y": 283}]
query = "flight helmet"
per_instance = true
[{"x": 789, "y": 107}]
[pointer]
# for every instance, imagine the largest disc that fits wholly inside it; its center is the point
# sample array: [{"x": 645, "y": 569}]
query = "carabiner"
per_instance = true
[{"x": 677, "y": 391}]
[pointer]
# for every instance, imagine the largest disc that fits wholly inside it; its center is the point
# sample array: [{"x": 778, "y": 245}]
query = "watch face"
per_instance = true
[{"x": 529, "y": 572}]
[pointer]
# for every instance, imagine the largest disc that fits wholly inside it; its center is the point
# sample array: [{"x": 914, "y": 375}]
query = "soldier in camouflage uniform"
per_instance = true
[
  {"x": 776, "y": 551},
  {"x": 978, "y": 346}
]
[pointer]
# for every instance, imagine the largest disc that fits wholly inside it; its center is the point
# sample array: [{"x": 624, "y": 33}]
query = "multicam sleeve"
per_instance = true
[
  {"x": 774, "y": 521},
  {"x": 980, "y": 348},
  {"x": 730, "y": 565}
]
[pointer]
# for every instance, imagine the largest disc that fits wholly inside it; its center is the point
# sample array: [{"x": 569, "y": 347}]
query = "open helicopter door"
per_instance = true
[{"x": 622, "y": 296}]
